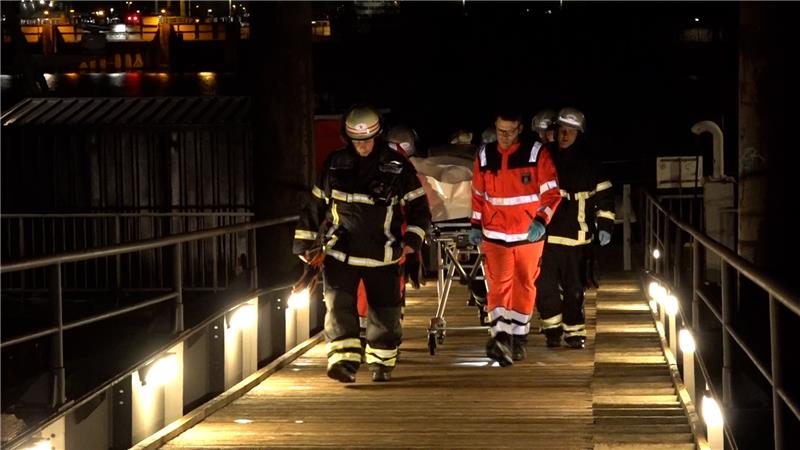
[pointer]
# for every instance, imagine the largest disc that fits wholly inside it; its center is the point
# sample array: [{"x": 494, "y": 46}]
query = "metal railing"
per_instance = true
[
  {"x": 707, "y": 307},
  {"x": 54, "y": 265},
  {"x": 210, "y": 263}
]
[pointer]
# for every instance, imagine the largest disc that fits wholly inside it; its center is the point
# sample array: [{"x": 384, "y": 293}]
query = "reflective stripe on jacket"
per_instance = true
[
  {"x": 587, "y": 202},
  {"x": 510, "y": 189},
  {"x": 365, "y": 201}
]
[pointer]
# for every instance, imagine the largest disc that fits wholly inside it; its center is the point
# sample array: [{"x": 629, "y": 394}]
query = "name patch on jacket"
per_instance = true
[{"x": 526, "y": 178}]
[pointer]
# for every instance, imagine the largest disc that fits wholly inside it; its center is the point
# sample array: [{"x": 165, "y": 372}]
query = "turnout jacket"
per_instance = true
[
  {"x": 510, "y": 189},
  {"x": 359, "y": 205},
  {"x": 587, "y": 198}
]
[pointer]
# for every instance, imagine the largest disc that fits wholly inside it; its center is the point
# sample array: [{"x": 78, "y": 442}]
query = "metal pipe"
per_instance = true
[
  {"x": 696, "y": 271},
  {"x": 777, "y": 376},
  {"x": 727, "y": 351},
  {"x": 716, "y": 134},
  {"x": 626, "y": 226},
  {"x": 177, "y": 273},
  {"x": 147, "y": 244},
  {"x": 59, "y": 393},
  {"x": 787, "y": 298}
]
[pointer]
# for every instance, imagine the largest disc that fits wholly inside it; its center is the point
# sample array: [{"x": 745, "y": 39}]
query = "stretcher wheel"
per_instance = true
[{"x": 432, "y": 344}]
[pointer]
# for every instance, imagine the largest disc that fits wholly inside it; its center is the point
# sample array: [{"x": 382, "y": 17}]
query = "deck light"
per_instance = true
[
  {"x": 688, "y": 347},
  {"x": 299, "y": 299},
  {"x": 656, "y": 253},
  {"x": 686, "y": 341},
  {"x": 242, "y": 316},
  {"x": 243, "y": 421},
  {"x": 712, "y": 416},
  {"x": 671, "y": 305},
  {"x": 160, "y": 372}
]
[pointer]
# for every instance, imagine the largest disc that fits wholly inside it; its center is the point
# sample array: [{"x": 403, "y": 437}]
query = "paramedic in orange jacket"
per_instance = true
[{"x": 514, "y": 194}]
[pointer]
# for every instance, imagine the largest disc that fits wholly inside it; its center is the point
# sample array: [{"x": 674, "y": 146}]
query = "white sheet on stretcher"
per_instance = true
[{"x": 447, "y": 181}]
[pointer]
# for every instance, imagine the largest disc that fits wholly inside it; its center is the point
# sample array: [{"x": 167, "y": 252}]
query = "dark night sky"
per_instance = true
[{"x": 441, "y": 66}]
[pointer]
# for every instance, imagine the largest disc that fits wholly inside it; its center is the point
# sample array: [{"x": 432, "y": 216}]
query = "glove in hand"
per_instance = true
[
  {"x": 604, "y": 237},
  {"x": 535, "y": 231},
  {"x": 412, "y": 269},
  {"x": 475, "y": 237}
]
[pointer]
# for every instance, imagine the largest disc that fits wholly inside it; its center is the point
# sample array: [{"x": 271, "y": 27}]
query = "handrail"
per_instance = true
[
  {"x": 663, "y": 230},
  {"x": 77, "y": 403},
  {"x": 787, "y": 298},
  {"x": 148, "y": 244}
]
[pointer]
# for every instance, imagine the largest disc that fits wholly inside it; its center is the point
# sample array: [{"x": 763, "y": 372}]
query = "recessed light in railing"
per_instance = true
[
  {"x": 686, "y": 341},
  {"x": 299, "y": 299},
  {"x": 159, "y": 372},
  {"x": 242, "y": 316},
  {"x": 671, "y": 305},
  {"x": 656, "y": 253},
  {"x": 712, "y": 416}
]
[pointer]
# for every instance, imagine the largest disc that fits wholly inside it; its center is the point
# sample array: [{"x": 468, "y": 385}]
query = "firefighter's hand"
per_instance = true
[
  {"x": 535, "y": 231},
  {"x": 305, "y": 256},
  {"x": 475, "y": 237},
  {"x": 604, "y": 237},
  {"x": 412, "y": 268},
  {"x": 407, "y": 249}
]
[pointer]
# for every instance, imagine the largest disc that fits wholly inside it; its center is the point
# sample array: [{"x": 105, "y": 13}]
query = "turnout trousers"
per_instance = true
[
  {"x": 562, "y": 276},
  {"x": 510, "y": 272},
  {"x": 383, "y": 334}
]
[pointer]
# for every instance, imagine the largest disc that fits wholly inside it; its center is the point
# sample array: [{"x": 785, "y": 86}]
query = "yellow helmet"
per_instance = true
[{"x": 362, "y": 123}]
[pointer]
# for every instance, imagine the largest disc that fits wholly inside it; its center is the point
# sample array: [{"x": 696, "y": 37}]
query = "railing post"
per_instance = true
[
  {"x": 676, "y": 259},
  {"x": 177, "y": 273},
  {"x": 777, "y": 375},
  {"x": 727, "y": 355},
  {"x": 696, "y": 286},
  {"x": 253, "y": 260},
  {"x": 665, "y": 256},
  {"x": 626, "y": 227},
  {"x": 58, "y": 388},
  {"x": 118, "y": 258},
  {"x": 648, "y": 237}
]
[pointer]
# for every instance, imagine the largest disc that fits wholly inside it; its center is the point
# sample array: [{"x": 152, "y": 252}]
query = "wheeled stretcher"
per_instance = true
[
  {"x": 456, "y": 259},
  {"x": 447, "y": 181}
]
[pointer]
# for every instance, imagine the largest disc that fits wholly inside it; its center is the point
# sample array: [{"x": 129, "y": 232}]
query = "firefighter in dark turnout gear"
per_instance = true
[
  {"x": 356, "y": 206},
  {"x": 514, "y": 194},
  {"x": 586, "y": 209}
]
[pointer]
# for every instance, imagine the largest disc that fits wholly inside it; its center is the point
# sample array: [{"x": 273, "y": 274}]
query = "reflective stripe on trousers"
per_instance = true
[{"x": 510, "y": 273}]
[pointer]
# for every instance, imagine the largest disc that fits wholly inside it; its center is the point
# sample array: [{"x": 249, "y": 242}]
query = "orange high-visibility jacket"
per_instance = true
[{"x": 510, "y": 189}]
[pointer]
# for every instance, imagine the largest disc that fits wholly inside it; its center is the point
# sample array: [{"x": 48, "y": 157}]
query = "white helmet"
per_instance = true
[
  {"x": 489, "y": 135},
  {"x": 362, "y": 123},
  {"x": 401, "y": 137},
  {"x": 543, "y": 120},
  {"x": 571, "y": 118}
]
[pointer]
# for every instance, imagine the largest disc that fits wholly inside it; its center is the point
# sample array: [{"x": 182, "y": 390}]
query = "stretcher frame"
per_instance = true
[{"x": 451, "y": 240}]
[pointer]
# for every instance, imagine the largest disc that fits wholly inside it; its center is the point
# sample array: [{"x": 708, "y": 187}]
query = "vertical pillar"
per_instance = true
[
  {"x": 753, "y": 131},
  {"x": 282, "y": 128}
]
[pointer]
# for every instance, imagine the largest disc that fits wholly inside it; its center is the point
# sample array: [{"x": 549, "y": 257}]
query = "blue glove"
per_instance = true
[
  {"x": 604, "y": 237},
  {"x": 535, "y": 231},
  {"x": 475, "y": 237}
]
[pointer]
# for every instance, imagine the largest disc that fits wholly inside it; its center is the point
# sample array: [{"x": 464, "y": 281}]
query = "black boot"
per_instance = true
[
  {"x": 519, "y": 350},
  {"x": 575, "y": 341},
  {"x": 499, "y": 349},
  {"x": 343, "y": 371},
  {"x": 553, "y": 337},
  {"x": 380, "y": 372}
]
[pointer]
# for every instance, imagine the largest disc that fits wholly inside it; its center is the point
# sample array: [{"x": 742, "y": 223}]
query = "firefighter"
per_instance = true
[
  {"x": 356, "y": 210},
  {"x": 544, "y": 124},
  {"x": 587, "y": 208},
  {"x": 515, "y": 192}
]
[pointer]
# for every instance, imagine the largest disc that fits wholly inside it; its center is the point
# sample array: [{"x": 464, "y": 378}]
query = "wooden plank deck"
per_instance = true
[{"x": 456, "y": 399}]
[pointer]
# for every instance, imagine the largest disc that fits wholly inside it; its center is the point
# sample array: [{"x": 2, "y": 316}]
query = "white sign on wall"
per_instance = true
[{"x": 679, "y": 171}]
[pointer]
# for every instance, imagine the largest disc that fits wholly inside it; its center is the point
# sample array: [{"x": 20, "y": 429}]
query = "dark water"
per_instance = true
[{"x": 127, "y": 84}]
